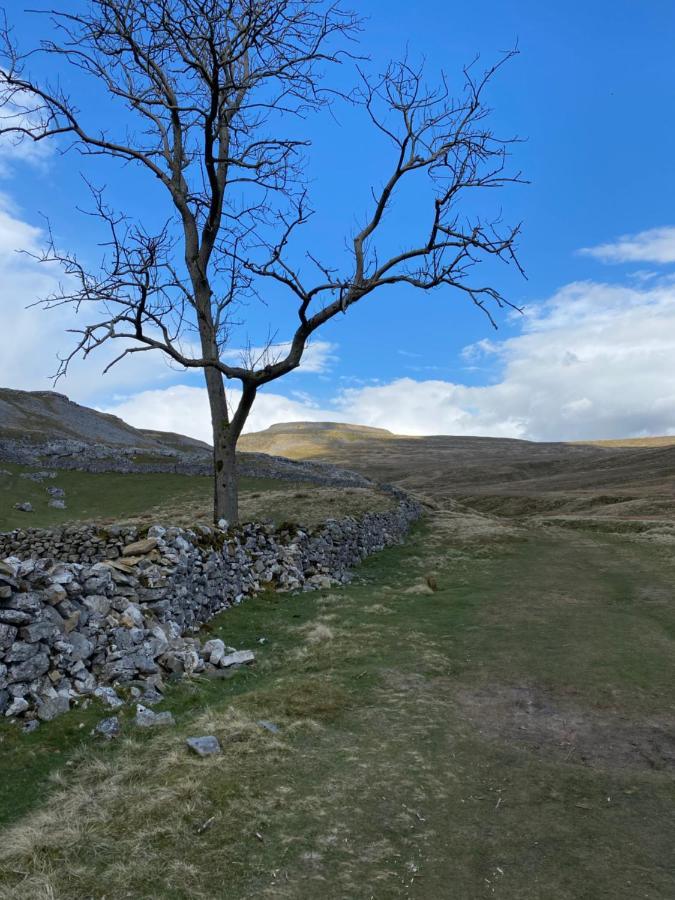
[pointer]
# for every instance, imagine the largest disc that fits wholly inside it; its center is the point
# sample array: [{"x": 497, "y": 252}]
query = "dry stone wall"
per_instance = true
[{"x": 82, "y": 609}]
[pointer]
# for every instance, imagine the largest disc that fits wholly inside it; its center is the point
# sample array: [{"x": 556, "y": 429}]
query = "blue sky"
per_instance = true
[{"x": 592, "y": 94}]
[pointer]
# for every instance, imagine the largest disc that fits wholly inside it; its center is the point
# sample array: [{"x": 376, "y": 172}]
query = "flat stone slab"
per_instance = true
[
  {"x": 204, "y": 746},
  {"x": 140, "y": 548},
  {"x": 238, "y": 658}
]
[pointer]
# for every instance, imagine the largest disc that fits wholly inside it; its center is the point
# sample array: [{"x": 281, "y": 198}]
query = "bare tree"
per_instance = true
[{"x": 209, "y": 87}]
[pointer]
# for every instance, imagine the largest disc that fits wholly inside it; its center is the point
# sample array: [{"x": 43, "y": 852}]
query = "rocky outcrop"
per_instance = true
[
  {"x": 81, "y": 609},
  {"x": 92, "y": 457}
]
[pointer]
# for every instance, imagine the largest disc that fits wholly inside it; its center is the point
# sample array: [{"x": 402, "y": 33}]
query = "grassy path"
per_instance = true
[{"x": 506, "y": 732}]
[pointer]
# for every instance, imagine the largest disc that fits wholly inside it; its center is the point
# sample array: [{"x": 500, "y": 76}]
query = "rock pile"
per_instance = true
[{"x": 69, "y": 628}]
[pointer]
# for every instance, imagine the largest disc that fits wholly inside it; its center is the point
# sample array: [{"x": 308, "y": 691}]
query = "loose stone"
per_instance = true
[
  {"x": 109, "y": 728},
  {"x": 269, "y": 726},
  {"x": 204, "y": 746},
  {"x": 238, "y": 658}
]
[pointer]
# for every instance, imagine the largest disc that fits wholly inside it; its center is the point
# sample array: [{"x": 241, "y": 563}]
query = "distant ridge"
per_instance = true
[{"x": 285, "y": 427}]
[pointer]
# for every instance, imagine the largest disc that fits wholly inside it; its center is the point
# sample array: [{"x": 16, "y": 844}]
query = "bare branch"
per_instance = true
[{"x": 207, "y": 89}]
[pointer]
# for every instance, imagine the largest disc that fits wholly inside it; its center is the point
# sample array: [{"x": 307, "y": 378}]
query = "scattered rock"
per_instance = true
[
  {"x": 18, "y": 706},
  {"x": 36, "y": 476},
  {"x": 109, "y": 696},
  {"x": 7, "y": 635},
  {"x": 82, "y": 648},
  {"x": 98, "y": 603},
  {"x": 204, "y": 746},
  {"x": 55, "y": 503},
  {"x": 269, "y": 726},
  {"x": 83, "y": 607},
  {"x": 20, "y": 651},
  {"x": 146, "y": 718},
  {"x": 132, "y": 617},
  {"x": 30, "y": 726},
  {"x": 215, "y": 651},
  {"x": 53, "y": 707},
  {"x": 152, "y": 697},
  {"x": 24, "y": 507},
  {"x": 109, "y": 728},
  {"x": 7, "y": 569},
  {"x": 30, "y": 669},
  {"x": 38, "y": 631}
]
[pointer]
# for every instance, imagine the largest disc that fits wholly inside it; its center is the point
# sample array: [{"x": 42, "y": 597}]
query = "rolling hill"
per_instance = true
[
  {"x": 39, "y": 416},
  {"x": 304, "y": 440},
  {"x": 496, "y": 474}
]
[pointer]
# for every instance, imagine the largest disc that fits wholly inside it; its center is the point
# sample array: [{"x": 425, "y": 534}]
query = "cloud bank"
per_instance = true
[
  {"x": 656, "y": 245},
  {"x": 596, "y": 360}
]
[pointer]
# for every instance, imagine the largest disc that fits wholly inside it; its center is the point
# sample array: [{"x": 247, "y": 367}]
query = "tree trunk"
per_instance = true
[{"x": 225, "y": 488}]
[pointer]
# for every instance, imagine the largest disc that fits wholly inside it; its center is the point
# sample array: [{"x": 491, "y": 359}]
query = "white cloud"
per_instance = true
[
  {"x": 19, "y": 148},
  {"x": 594, "y": 361},
  {"x": 33, "y": 338},
  {"x": 186, "y": 410},
  {"x": 657, "y": 245}
]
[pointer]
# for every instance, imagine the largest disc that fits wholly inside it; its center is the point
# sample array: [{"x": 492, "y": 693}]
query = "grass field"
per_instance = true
[
  {"x": 177, "y": 499},
  {"x": 485, "y": 712}
]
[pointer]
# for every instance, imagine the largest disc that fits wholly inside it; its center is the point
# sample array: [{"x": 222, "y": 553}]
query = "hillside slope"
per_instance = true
[
  {"x": 501, "y": 474},
  {"x": 40, "y": 416}
]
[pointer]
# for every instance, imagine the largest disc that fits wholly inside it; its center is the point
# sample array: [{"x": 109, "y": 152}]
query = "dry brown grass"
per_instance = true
[
  {"x": 309, "y": 506},
  {"x": 317, "y": 632},
  {"x": 663, "y": 441},
  {"x": 133, "y": 824}
]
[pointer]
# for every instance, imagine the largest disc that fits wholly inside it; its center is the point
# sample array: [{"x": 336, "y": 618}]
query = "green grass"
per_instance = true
[
  {"x": 409, "y": 763},
  {"x": 175, "y": 499},
  {"x": 111, "y": 496}
]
